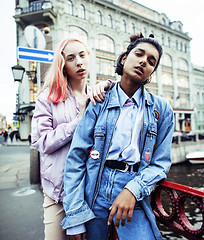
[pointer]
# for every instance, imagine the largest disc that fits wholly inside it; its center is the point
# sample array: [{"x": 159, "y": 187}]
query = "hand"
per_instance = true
[
  {"x": 98, "y": 91},
  {"x": 124, "y": 206},
  {"x": 81, "y": 236}
]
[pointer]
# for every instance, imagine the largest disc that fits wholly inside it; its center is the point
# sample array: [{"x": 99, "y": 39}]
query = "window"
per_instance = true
[
  {"x": 104, "y": 43},
  {"x": 176, "y": 44},
  {"x": 185, "y": 48},
  {"x": 198, "y": 97},
  {"x": 184, "y": 100},
  {"x": 182, "y": 65},
  {"x": 124, "y": 26},
  {"x": 145, "y": 32},
  {"x": 169, "y": 42},
  {"x": 82, "y": 12},
  {"x": 182, "y": 81},
  {"x": 105, "y": 67},
  {"x": 166, "y": 60},
  {"x": 167, "y": 78},
  {"x": 203, "y": 98},
  {"x": 76, "y": 32},
  {"x": 69, "y": 7},
  {"x": 181, "y": 46},
  {"x": 110, "y": 21},
  {"x": 133, "y": 29},
  {"x": 162, "y": 39},
  {"x": 99, "y": 17}
]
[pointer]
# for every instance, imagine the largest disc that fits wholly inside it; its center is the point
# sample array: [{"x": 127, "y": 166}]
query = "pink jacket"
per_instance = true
[{"x": 53, "y": 126}]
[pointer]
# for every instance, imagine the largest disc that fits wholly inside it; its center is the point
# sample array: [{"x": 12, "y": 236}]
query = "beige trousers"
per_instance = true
[{"x": 53, "y": 215}]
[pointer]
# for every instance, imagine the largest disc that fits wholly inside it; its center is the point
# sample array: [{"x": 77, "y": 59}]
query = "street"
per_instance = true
[{"x": 20, "y": 203}]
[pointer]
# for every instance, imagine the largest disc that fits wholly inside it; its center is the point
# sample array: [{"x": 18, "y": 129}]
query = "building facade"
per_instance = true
[
  {"x": 198, "y": 84},
  {"x": 105, "y": 26}
]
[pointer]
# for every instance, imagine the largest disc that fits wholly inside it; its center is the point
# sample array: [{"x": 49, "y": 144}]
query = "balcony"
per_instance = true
[{"x": 38, "y": 11}]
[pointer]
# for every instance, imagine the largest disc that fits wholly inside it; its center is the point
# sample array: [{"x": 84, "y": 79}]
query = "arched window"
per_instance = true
[
  {"x": 186, "y": 48},
  {"x": 169, "y": 41},
  {"x": 163, "y": 21},
  {"x": 104, "y": 43},
  {"x": 76, "y": 32},
  {"x": 69, "y": 7},
  {"x": 182, "y": 64},
  {"x": 110, "y": 21},
  {"x": 180, "y": 28},
  {"x": 181, "y": 46},
  {"x": 133, "y": 29},
  {"x": 124, "y": 26},
  {"x": 145, "y": 32},
  {"x": 162, "y": 39},
  {"x": 99, "y": 17},
  {"x": 166, "y": 60},
  {"x": 82, "y": 11},
  {"x": 176, "y": 44}
]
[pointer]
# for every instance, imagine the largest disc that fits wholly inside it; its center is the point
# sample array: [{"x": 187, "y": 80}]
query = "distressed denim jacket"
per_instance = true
[{"x": 83, "y": 173}]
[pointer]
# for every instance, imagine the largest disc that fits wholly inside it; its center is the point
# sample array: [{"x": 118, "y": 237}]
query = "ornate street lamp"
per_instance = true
[{"x": 18, "y": 72}]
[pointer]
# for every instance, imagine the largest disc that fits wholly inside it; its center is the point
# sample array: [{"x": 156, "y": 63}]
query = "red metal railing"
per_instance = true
[{"x": 177, "y": 220}]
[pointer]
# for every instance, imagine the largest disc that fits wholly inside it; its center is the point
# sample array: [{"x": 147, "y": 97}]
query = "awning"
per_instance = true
[{"x": 24, "y": 110}]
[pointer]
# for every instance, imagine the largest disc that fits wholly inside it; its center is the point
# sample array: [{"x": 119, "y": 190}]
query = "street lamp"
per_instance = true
[{"x": 18, "y": 72}]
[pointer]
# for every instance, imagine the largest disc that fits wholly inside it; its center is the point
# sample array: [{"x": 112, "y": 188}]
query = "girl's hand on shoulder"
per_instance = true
[
  {"x": 81, "y": 236},
  {"x": 98, "y": 91}
]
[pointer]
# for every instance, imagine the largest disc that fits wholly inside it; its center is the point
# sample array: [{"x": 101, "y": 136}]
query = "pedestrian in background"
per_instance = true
[
  {"x": 5, "y": 135},
  {"x": 59, "y": 108},
  {"x": 120, "y": 150},
  {"x": 11, "y": 135}
]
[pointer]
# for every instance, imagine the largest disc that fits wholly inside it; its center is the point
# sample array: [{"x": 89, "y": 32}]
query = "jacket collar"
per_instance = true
[{"x": 114, "y": 101}]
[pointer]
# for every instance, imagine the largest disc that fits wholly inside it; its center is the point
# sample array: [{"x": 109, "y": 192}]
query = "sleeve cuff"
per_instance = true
[{"x": 76, "y": 230}]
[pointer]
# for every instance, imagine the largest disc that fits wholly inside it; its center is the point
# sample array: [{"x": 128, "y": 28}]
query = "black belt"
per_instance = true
[{"x": 121, "y": 166}]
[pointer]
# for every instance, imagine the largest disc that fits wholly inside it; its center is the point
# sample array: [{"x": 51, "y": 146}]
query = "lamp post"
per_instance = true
[{"x": 18, "y": 72}]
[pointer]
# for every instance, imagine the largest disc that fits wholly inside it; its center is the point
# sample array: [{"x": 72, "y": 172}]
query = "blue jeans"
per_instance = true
[{"x": 112, "y": 183}]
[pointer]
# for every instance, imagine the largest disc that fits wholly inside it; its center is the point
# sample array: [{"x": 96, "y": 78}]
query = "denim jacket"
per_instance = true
[{"x": 83, "y": 173}]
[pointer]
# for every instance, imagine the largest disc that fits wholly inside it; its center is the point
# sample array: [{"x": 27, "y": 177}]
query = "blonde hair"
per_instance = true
[{"x": 56, "y": 79}]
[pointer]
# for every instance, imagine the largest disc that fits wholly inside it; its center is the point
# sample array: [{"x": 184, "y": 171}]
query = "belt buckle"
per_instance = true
[{"x": 125, "y": 170}]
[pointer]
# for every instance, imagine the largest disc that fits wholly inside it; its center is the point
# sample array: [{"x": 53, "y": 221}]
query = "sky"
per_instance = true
[{"x": 189, "y": 12}]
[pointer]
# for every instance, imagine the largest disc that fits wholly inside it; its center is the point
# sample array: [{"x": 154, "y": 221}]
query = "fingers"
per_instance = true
[
  {"x": 124, "y": 206},
  {"x": 83, "y": 236},
  {"x": 77, "y": 237},
  {"x": 111, "y": 214},
  {"x": 97, "y": 93}
]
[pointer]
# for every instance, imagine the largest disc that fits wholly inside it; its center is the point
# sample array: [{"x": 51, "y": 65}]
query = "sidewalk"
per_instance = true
[
  {"x": 20, "y": 203},
  {"x": 16, "y": 143}
]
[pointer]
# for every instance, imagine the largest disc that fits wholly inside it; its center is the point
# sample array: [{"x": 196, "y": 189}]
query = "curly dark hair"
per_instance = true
[{"x": 134, "y": 41}]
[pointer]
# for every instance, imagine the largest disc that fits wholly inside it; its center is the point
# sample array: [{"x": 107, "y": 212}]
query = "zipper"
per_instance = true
[
  {"x": 99, "y": 183},
  {"x": 152, "y": 134}
]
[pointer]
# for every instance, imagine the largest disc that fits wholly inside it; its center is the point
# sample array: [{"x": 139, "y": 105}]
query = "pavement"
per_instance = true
[{"x": 21, "y": 208}]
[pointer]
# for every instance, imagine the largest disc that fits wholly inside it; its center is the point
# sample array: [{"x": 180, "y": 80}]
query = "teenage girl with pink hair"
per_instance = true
[{"x": 59, "y": 108}]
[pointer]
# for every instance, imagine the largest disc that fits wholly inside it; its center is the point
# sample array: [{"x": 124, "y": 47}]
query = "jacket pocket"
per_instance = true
[
  {"x": 150, "y": 142},
  {"x": 98, "y": 147}
]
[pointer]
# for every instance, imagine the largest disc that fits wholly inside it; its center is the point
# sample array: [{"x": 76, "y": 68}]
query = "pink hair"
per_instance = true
[{"x": 55, "y": 79}]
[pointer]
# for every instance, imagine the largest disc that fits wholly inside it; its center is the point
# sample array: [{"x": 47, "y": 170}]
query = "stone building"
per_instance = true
[
  {"x": 3, "y": 122},
  {"x": 106, "y": 25},
  {"x": 198, "y": 96}
]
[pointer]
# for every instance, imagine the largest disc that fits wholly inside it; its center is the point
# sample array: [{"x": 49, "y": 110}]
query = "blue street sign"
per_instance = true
[{"x": 33, "y": 54}]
